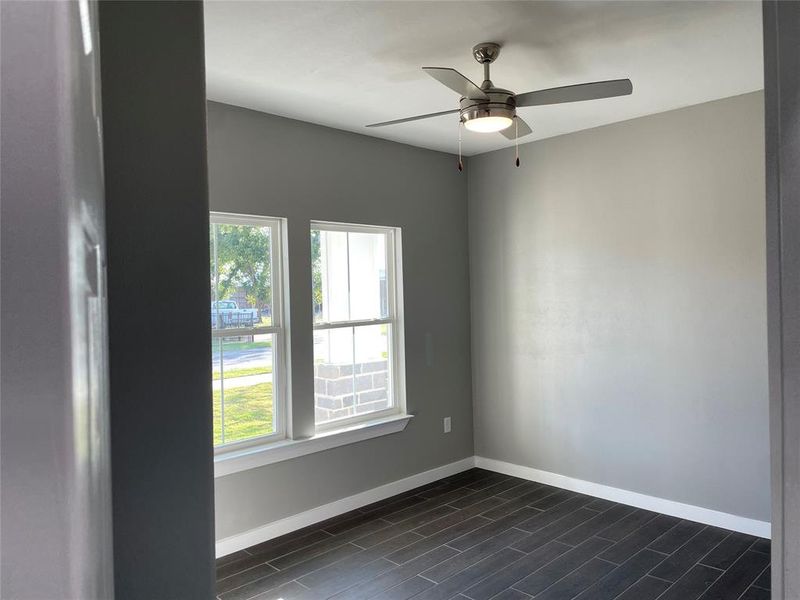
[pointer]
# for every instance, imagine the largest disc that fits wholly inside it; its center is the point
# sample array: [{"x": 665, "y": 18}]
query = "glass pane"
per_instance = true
[
  {"x": 241, "y": 276},
  {"x": 371, "y": 366},
  {"x": 333, "y": 374},
  {"x": 243, "y": 384},
  {"x": 368, "y": 289},
  {"x": 216, "y": 345},
  {"x": 329, "y": 275},
  {"x": 351, "y": 372}
]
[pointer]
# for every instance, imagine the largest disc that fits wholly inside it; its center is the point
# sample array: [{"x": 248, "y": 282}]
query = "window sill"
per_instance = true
[{"x": 234, "y": 461}]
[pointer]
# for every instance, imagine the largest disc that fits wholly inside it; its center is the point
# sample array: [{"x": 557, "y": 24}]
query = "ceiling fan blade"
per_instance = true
[
  {"x": 577, "y": 93},
  {"x": 518, "y": 129},
  {"x": 456, "y": 82},
  {"x": 417, "y": 118}
]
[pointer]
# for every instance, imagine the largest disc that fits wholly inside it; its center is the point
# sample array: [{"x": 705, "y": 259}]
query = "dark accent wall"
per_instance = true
[
  {"x": 782, "y": 105},
  {"x": 154, "y": 120}
]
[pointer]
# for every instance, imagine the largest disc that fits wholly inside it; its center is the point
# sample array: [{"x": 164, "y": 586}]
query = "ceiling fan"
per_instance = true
[{"x": 487, "y": 109}]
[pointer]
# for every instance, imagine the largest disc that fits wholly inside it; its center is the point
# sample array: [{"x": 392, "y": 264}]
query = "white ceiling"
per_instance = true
[{"x": 346, "y": 64}]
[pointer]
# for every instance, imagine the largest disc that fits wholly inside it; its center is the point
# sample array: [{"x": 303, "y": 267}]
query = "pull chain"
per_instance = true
[
  {"x": 516, "y": 138},
  {"x": 460, "y": 164}
]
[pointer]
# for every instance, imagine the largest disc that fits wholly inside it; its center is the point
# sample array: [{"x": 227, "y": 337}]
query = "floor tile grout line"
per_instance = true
[
  {"x": 467, "y": 518},
  {"x": 269, "y": 562},
  {"x": 357, "y": 582},
  {"x": 751, "y": 584},
  {"x": 297, "y": 578},
  {"x": 697, "y": 563},
  {"x": 460, "y": 552},
  {"x": 649, "y": 574},
  {"x": 422, "y": 497},
  {"x": 566, "y": 533},
  {"x": 276, "y": 571},
  {"x": 591, "y": 558},
  {"x": 434, "y": 508},
  {"x": 430, "y": 510},
  {"x": 689, "y": 540},
  {"x": 343, "y": 533},
  {"x": 740, "y": 596},
  {"x": 381, "y": 557},
  {"x": 549, "y": 562},
  {"x": 702, "y": 564},
  {"x": 562, "y": 517},
  {"x": 274, "y": 558},
  {"x": 518, "y": 485},
  {"x": 764, "y": 570},
  {"x": 261, "y": 564},
  {"x": 411, "y": 576},
  {"x": 645, "y": 574},
  {"x": 676, "y": 525},
  {"x": 635, "y": 531},
  {"x": 750, "y": 547},
  {"x": 700, "y": 560},
  {"x": 689, "y": 569},
  {"x": 530, "y": 504}
]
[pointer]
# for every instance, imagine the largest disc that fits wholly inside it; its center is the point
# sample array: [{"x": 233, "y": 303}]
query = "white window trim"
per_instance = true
[
  {"x": 281, "y": 400},
  {"x": 243, "y": 459},
  {"x": 394, "y": 271}
]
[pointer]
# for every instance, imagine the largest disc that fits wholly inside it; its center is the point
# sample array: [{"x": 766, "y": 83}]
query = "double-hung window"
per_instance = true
[
  {"x": 357, "y": 323},
  {"x": 247, "y": 330}
]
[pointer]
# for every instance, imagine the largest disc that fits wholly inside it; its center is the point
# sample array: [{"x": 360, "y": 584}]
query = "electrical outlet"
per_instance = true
[{"x": 447, "y": 424}]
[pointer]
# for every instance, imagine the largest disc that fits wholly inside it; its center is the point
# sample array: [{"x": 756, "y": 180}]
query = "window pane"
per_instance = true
[
  {"x": 368, "y": 293},
  {"x": 216, "y": 346},
  {"x": 329, "y": 277},
  {"x": 243, "y": 384},
  {"x": 351, "y": 372},
  {"x": 241, "y": 276},
  {"x": 349, "y": 275},
  {"x": 372, "y": 374},
  {"x": 333, "y": 374}
]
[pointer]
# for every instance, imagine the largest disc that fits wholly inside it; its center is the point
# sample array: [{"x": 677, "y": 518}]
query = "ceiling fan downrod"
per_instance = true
[{"x": 486, "y": 53}]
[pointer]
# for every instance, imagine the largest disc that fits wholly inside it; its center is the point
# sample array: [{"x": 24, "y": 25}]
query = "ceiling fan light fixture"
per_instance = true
[
  {"x": 490, "y": 124},
  {"x": 488, "y": 117}
]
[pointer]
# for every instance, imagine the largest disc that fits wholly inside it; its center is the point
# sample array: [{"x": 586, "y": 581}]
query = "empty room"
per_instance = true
[{"x": 388, "y": 300}]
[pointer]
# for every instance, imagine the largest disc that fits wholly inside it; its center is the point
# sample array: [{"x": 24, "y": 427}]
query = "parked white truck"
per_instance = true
[{"x": 226, "y": 314}]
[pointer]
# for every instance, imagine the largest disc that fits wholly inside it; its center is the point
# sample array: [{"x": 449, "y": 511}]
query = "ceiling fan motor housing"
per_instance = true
[{"x": 501, "y": 103}]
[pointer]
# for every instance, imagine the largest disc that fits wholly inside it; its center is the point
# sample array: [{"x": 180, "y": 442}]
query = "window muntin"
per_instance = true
[
  {"x": 357, "y": 350},
  {"x": 247, "y": 329}
]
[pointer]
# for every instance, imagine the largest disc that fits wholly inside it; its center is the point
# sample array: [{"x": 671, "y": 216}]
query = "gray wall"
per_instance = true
[
  {"x": 154, "y": 117},
  {"x": 266, "y": 165},
  {"x": 782, "y": 100},
  {"x": 54, "y": 459},
  {"x": 619, "y": 306}
]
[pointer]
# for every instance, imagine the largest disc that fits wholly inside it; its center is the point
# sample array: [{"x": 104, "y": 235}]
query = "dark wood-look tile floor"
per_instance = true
[{"x": 479, "y": 535}]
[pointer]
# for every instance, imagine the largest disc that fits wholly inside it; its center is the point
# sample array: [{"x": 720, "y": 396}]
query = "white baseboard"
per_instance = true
[
  {"x": 272, "y": 530},
  {"x": 667, "y": 507},
  {"x": 326, "y": 511}
]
